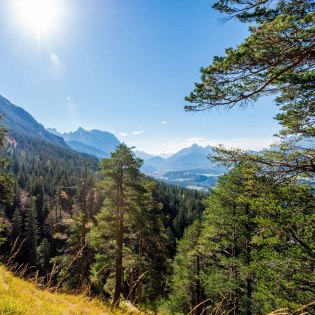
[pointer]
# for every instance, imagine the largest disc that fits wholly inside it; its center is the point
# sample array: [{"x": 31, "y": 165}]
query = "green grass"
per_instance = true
[{"x": 19, "y": 297}]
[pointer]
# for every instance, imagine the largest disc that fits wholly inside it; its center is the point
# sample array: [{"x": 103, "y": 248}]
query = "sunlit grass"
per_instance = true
[{"x": 20, "y": 297}]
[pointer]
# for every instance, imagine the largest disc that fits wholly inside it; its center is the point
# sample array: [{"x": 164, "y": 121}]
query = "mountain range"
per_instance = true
[
  {"x": 194, "y": 157},
  {"x": 189, "y": 167},
  {"x": 95, "y": 142}
]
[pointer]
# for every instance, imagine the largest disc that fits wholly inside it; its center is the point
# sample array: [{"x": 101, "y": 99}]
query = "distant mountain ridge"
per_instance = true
[
  {"x": 17, "y": 120},
  {"x": 194, "y": 157},
  {"x": 143, "y": 155},
  {"x": 95, "y": 142}
]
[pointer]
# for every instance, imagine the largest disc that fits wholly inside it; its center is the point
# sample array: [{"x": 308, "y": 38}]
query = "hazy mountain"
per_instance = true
[
  {"x": 157, "y": 162},
  {"x": 189, "y": 167},
  {"x": 94, "y": 142},
  {"x": 165, "y": 155},
  {"x": 19, "y": 121},
  {"x": 194, "y": 157},
  {"x": 190, "y": 158},
  {"x": 143, "y": 155},
  {"x": 84, "y": 148}
]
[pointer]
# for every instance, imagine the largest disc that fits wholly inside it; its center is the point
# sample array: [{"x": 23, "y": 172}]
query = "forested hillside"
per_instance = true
[
  {"x": 103, "y": 228},
  {"x": 52, "y": 216}
]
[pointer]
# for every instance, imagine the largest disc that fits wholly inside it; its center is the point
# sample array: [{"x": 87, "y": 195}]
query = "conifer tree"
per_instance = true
[
  {"x": 121, "y": 180},
  {"x": 31, "y": 233},
  {"x": 187, "y": 291},
  {"x": 44, "y": 256},
  {"x": 153, "y": 265},
  {"x": 17, "y": 224},
  {"x": 277, "y": 58}
]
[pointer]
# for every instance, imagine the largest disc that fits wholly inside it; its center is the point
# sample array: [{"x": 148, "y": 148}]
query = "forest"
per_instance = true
[{"x": 246, "y": 247}]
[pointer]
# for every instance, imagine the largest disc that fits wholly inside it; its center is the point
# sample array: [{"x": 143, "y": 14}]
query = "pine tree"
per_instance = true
[
  {"x": 187, "y": 291},
  {"x": 153, "y": 266},
  {"x": 121, "y": 181},
  {"x": 31, "y": 233},
  {"x": 277, "y": 58},
  {"x": 44, "y": 256}
]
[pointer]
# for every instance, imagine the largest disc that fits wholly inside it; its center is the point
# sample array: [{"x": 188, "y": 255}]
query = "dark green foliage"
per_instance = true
[
  {"x": 181, "y": 207},
  {"x": 280, "y": 47},
  {"x": 121, "y": 184},
  {"x": 6, "y": 186},
  {"x": 129, "y": 239},
  {"x": 255, "y": 248},
  {"x": 43, "y": 167},
  {"x": 31, "y": 233},
  {"x": 186, "y": 289},
  {"x": 17, "y": 224},
  {"x": 44, "y": 256}
]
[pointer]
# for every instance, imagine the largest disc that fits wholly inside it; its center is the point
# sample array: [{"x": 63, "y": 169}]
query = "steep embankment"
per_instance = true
[{"x": 20, "y": 297}]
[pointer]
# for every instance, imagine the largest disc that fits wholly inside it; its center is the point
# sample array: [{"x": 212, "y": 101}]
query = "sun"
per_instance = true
[{"x": 38, "y": 15}]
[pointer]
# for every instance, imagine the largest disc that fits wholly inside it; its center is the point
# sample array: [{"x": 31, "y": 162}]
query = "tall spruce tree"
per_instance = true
[
  {"x": 129, "y": 238},
  {"x": 31, "y": 233},
  {"x": 187, "y": 291},
  {"x": 121, "y": 180}
]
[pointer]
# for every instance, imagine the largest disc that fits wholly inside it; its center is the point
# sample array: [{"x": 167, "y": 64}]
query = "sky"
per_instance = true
[{"x": 125, "y": 66}]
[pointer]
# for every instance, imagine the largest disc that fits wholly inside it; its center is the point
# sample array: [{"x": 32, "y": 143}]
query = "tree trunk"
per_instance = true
[
  {"x": 249, "y": 289},
  {"x": 119, "y": 252},
  {"x": 131, "y": 290},
  {"x": 198, "y": 286},
  {"x": 84, "y": 221},
  {"x": 119, "y": 241}
]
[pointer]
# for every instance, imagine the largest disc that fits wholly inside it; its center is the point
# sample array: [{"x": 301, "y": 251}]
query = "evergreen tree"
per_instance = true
[
  {"x": 187, "y": 291},
  {"x": 122, "y": 177},
  {"x": 17, "y": 224},
  {"x": 153, "y": 265},
  {"x": 276, "y": 58},
  {"x": 6, "y": 186},
  {"x": 129, "y": 239},
  {"x": 31, "y": 233},
  {"x": 44, "y": 256}
]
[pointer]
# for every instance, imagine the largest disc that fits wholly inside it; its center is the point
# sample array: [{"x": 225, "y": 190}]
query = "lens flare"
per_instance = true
[{"x": 39, "y": 15}]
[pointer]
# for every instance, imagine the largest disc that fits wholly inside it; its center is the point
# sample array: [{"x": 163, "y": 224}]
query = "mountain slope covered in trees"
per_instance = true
[{"x": 20, "y": 123}]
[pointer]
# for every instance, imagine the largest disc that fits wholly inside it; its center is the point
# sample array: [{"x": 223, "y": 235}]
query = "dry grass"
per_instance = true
[{"x": 20, "y": 297}]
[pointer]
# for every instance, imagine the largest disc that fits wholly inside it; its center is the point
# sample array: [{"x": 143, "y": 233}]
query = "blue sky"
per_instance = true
[{"x": 125, "y": 66}]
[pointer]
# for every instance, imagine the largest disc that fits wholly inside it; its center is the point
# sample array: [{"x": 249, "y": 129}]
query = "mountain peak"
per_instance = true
[
  {"x": 95, "y": 142},
  {"x": 195, "y": 146}
]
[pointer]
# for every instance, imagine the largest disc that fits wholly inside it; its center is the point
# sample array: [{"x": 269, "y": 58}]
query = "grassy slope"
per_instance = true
[{"x": 20, "y": 297}]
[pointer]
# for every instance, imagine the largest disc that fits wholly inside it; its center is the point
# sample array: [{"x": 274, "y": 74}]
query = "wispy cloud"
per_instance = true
[
  {"x": 123, "y": 134},
  {"x": 164, "y": 122},
  {"x": 136, "y": 133}
]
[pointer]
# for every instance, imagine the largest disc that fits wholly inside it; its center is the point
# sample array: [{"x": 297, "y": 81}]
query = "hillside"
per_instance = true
[
  {"x": 20, "y": 122},
  {"x": 20, "y": 297},
  {"x": 38, "y": 157}
]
